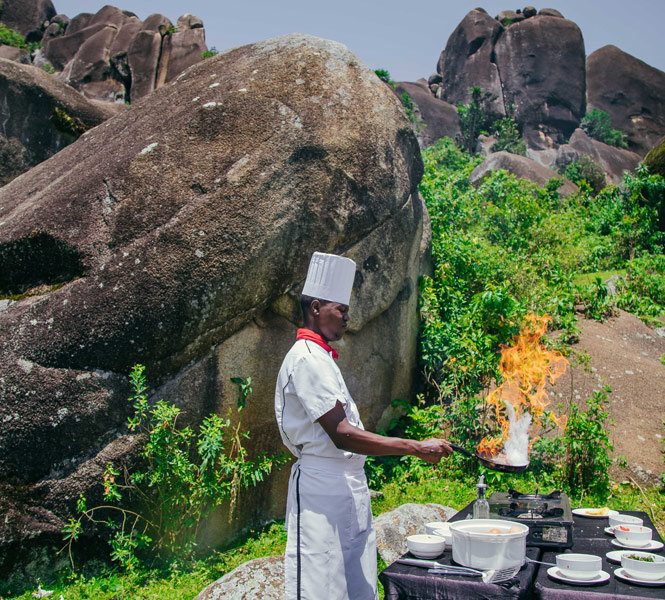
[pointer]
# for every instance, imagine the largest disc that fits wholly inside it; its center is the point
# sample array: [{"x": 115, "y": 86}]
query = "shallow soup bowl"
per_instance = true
[
  {"x": 616, "y": 518},
  {"x": 579, "y": 566},
  {"x": 633, "y": 535},
  {"x": 643, "y": 565}
]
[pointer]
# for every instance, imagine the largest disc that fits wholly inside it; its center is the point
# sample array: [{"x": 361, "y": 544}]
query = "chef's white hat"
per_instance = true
[{"x": 330, "y": 277}]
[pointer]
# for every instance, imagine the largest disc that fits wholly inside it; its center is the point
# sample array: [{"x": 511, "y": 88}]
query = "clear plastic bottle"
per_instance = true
[{"x": 481, "y": 507}]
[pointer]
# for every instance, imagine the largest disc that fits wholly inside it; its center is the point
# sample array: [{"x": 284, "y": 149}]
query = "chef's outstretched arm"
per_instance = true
[{"x": 353, "y": 439}]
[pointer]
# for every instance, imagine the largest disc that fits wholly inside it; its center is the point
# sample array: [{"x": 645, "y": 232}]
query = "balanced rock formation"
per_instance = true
[
  {"x": 114, "y": 56},
  {"x": 40, "y": 116},
  {"x": 631, "y": 92},
  {"x": 27, "y": 16},
  {"x": 177, "y": 235}
]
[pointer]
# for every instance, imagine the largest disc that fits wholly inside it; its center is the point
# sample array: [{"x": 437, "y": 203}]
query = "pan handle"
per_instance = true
[{"x": 462, "y": 450}]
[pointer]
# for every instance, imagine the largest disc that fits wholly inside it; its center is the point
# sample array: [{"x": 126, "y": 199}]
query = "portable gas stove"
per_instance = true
[{"x": 548, "y": 516}]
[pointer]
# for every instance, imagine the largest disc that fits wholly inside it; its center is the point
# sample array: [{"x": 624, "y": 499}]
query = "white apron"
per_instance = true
[{"x": 331, "y": 548}]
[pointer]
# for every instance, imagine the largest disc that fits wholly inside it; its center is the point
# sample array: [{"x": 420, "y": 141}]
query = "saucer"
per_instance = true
[
  {"x": 615, "y": 555},
  {"x": 589, "y": 512},
  {"x": 609, "y": 530},
  {"x": 620, "y": 573},
  {"x": 555, "y": 573},
  {"x": 652, "y": 545}
]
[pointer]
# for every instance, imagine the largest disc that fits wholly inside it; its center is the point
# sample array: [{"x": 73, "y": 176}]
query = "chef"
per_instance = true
[{"x": 331, "y": 546}]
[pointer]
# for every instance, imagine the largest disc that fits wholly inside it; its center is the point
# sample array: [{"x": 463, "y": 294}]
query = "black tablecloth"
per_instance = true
[
  {"x": 404, "y": 582},
  {"x": 590, "y": 538}
]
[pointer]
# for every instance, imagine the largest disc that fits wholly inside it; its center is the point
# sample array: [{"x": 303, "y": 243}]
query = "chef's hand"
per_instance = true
[{"x": 433, "y": 450}]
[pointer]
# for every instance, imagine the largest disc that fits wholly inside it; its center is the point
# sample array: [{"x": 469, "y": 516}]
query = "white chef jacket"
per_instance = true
[{"x": 331, "y": 546}]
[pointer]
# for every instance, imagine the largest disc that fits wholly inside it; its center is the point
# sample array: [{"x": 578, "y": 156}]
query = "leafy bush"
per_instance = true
[
  {"x": 383, "y": 75},
  {"x": 410, "y": 109},
  {"x": 174, "y": 491},
  {"x": 597, "y": 125},
  {"x": 587, "y": 448},
  {"x": 473, "y": 119},
  {"x": 209, "y": 53},
  {"x": 585, "y": 170},
  {"x": 642, "y": 291},
  {"x": 597, "y": 301},
  {"x": 507, "y": 135},
  {"x": 9, "y": 37}
]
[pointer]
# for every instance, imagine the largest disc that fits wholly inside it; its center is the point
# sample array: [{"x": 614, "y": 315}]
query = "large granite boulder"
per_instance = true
[
  {"x": 40, "y": 116},
  {"x": 259, "y": 578},
  {"x": 114, "y": 56},
  {"x": 615, "y": 161},
  {"x": 26, "y": 16},
  {"x": 467, "y": 61},
  {"x": 434, "y": 118},
  {"x": 631, "y": 92},
  {"x": 542, "y": 65},
  {"x": 177, "y": 236},
  {"x": 522, "y": 167}
]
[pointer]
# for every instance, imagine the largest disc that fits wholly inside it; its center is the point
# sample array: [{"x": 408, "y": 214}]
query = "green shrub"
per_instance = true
[
  {"x": 9, "y": 37},
  {"x": 383, "y": 75},
  {"x": 209, "y": 53},
  {"x": 473, "y": 119},
  {"x": 507, "y": 135},
  {"x": 597, "y": 125},
  {"x": 587, "y": 448},
  {"x": 585, "y": 169},
  {"x": 186, "y": 474}
]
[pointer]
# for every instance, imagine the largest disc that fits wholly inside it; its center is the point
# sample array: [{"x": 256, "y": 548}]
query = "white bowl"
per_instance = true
[
  {"x": 426, "y": 545},
  {"x": 633, "y": 535},
  {"x": 616, "y": 518},
  {"x": 440, "y": 528},
  {"x": 641, "y": 569},
  {"x": 579, "y": 566}
]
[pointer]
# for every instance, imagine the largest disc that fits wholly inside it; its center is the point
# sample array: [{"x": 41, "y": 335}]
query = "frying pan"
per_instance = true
[{"x": 490, "y": 464}]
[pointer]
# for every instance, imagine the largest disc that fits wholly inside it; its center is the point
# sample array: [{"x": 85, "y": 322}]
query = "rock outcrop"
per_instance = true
[
  {"x": 434, "y": 118},
  {"x": 40, "y": 116},
  {"x": 631, "y": 92},
  {"x": 177, "y": 235},
  {"x": 27, "y": 16},
  {"x": 259, "y": 578},
  {"x": 522, "y": 167},
  {"x": 114, "y": 56}
]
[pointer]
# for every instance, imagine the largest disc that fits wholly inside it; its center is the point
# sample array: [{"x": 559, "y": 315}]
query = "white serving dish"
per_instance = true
[
  {"x": 474, "y": 546},
  {"x": 633, "y": 535},
  {"x": 579, "y": 566},
  {"x": 643, "y": 570},
  {"x": 616, "y": 518},
  {"x": 426, "y": 545}
]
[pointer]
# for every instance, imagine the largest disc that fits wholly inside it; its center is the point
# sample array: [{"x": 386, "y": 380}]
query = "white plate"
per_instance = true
[
  {"x": 615, "y": 555},
  {"x": 584, "y": 512},
  {"x": 652, "y": 545},
  {"x": 609, "y": 530},
  {"x": 555, "y": 573},
  {"x": 620, "y": 573}
]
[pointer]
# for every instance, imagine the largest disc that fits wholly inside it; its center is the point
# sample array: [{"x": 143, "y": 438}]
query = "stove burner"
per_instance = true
[
  {"x": 522, "y": 510},
  {"x": 555, "y": 495}
]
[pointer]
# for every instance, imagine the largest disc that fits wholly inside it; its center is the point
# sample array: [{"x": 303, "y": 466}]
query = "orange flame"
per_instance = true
[{"x": 526, "y": 366}]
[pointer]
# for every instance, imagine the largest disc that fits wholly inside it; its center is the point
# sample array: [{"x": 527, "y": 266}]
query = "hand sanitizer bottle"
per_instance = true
[{"x": 481, "y": 508}]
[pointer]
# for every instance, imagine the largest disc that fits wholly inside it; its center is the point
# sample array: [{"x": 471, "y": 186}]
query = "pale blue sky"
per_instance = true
[{"x": 403, "y": 36}]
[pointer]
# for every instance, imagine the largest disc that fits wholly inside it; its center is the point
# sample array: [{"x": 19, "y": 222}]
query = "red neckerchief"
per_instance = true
[{"x": 308, "y": 334}]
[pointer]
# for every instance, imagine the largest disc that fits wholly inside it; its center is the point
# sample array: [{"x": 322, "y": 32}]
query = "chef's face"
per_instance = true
[{"x": 332, "y": 321}]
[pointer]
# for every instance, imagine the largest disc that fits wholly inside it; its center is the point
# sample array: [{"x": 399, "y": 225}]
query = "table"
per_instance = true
[
  {"x": 404, "y": 582},
  {"x": 590, "y": 538}
]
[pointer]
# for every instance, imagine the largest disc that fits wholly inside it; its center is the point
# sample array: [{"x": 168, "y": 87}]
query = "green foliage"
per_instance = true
[
  {"x": 68, "y": 124},
  {"x": 597, "y": 125},
  {"x": 507, "y": 135},
  {"x": 642, "y": 291},
  {"x": 597, "y": 301},
  {"x": 585, "y": 170},
  {"x": 383, "y": 75},
  {"x": 473, "y": 119},
  {"x": 410, "y": 110},
  {"x": 208, "y": 53},
  {"x": 587, "y": 448},
  {"x": 9, "y": 37},
  {"x": 185, "y": 475}
]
